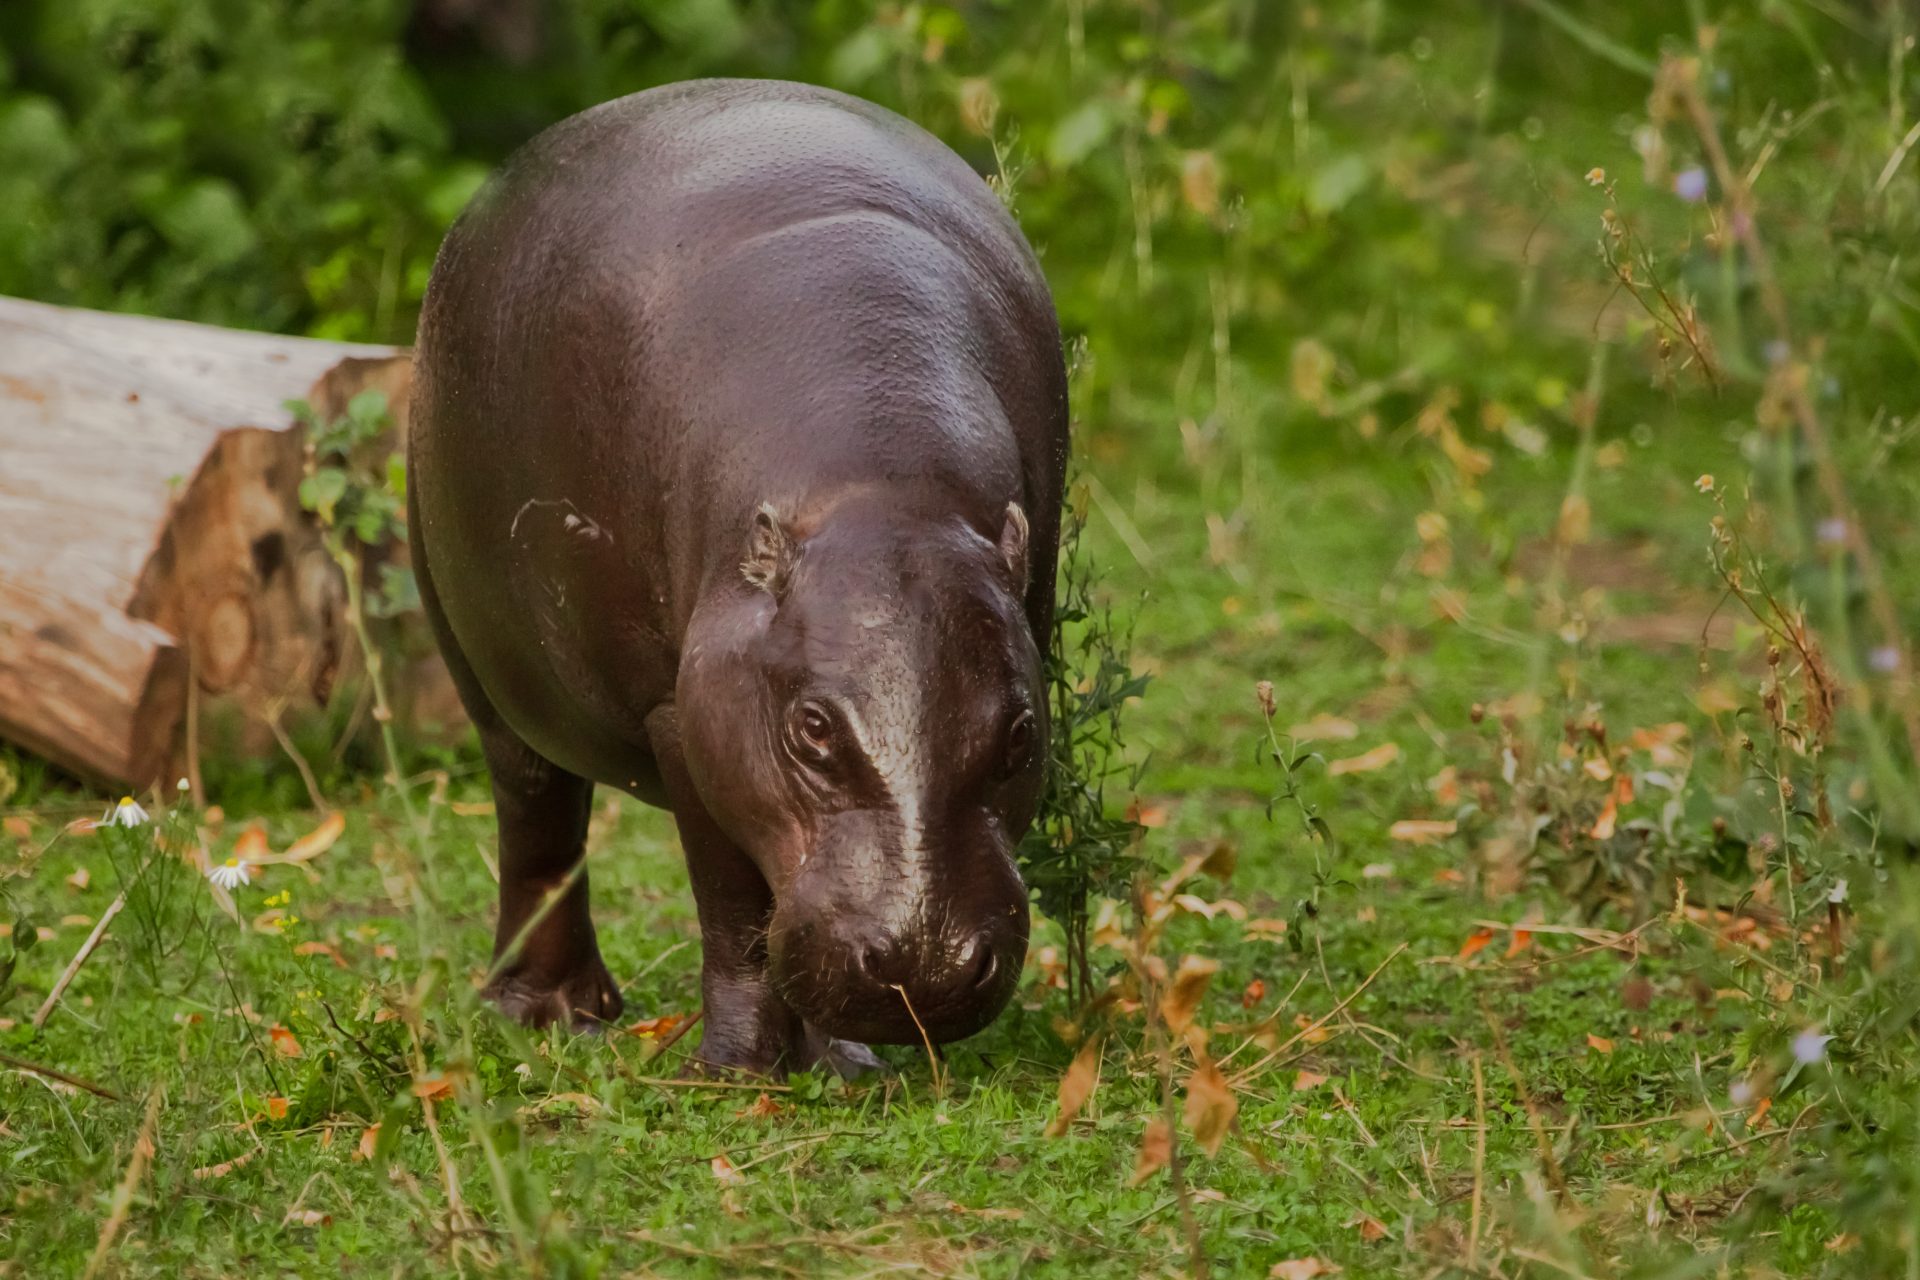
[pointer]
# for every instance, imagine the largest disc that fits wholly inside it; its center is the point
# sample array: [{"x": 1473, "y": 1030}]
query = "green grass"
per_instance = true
[{"x": 569, "y": 1156}]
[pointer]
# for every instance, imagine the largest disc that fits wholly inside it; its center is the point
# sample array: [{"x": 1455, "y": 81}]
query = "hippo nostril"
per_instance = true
[{"x": 988, "y": 965}]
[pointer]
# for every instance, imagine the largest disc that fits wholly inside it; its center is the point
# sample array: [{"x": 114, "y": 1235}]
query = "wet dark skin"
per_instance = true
[{"x": 737, "y": 443}]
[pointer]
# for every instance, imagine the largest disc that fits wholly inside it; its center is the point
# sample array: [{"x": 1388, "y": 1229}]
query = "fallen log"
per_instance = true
[{"x": 151, "y": 533}]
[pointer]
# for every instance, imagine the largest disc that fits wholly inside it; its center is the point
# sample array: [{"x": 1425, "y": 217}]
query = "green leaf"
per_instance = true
[
  {"x": 1334, "y": 184},
  {"x": 1078, "y": 133},
  {"x": 322, "y": 491}
]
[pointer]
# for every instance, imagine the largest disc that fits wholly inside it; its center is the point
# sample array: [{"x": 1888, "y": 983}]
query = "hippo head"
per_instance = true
[{"x": 863, "y": 715}]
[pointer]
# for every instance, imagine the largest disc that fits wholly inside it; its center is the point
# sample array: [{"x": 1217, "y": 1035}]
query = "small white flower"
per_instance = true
[
  {"x": 1741, "y": 1093},
  {"x": 1810, "y": 1047},
  {"x": 183, "y": 786},
  {"x": 230, "y": 875},
  {"x": 1837, "y": 894},
  {"x": 1832, "y": 530},
  {"x": 524, "y": 1071},
  {"x": 125, "y": 814},
  {"x": 1885, "y": 659}
]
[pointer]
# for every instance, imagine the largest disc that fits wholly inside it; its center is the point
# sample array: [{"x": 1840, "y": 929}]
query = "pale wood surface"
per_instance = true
[{"x": 150, "y": 525}]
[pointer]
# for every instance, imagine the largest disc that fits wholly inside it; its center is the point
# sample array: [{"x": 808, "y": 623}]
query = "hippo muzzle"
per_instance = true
[{"x": 867, "y": 949}]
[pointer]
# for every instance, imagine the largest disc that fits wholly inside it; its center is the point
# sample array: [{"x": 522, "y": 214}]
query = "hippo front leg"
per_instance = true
[{"x": 746, "y": 1026}]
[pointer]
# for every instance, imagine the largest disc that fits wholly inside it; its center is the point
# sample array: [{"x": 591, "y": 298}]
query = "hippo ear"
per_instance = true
[
  {"x": 769, "y": 552},
  {"x": 1013, "y": 546}
]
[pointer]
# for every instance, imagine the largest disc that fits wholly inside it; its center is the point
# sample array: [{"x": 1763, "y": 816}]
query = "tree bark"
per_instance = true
[{"x": 151, "y": 532}]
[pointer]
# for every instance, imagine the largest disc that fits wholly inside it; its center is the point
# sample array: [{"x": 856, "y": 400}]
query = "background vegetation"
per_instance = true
[{"x": 1524, "y": 389}]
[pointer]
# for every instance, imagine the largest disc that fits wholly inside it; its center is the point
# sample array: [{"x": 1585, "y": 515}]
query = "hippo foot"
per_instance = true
[{"x": 584, "y": 1000}]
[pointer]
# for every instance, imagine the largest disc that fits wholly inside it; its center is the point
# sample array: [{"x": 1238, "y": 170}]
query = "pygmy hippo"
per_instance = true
[{"x": 735, "y": 468}]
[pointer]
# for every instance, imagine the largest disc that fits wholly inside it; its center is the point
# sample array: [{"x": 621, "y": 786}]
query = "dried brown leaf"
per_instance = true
[
  {"x": 1183, "y": 996},
  {"x": 1156, "y": 1148},
  {"x": 1210, "y": 1107},
  {"x": 1077, "y": 1085},
  {"x": 1367, "y": 761}
]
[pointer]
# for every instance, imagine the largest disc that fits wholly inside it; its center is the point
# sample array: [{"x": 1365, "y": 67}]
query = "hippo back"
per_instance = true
[{"x": 679, "y": 305}]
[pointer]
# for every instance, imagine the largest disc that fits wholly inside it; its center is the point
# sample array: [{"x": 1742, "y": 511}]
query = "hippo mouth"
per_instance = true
[{"x": 857, "y": 981}]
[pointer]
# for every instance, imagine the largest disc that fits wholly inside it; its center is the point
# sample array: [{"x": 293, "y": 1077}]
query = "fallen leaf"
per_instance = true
[
  {"x": 1371, "y": 1228},
  {"x": 1475, "y": 943},
  {"x": 17, "y": 827},
  {"x": 1759, "y": 1114},
  {"x": 724, "y": 1172},
  {"x": 1076, "y": 1086},
  {"x": 1325, "y": 728},
  {"x": 207, "y": 1172},
  {"x": 1210, "y": 1107},
  {"x": 664, "y": 1025},
  {"x": 1302, "y": 1269},
  {"x": 1845, "y": 1242},
  {"x": 369, "y": 1139},
  {"x": 763, "y": 1108},
  {"x": 276, "y": 1108},
  {"x": 1312, "y": 1031},
  {"x": 1256, "y": 992},
  {"x": 1597, "y": 768},
  {"x": 1150, "y": 815},
  {"x": 80, "y": 879},
  {"x": 285, "y": 1043},
  {"x": 1599, "y": 1044},
  {"x": 1422, "y": 830},
  {"x": 1521, "y": 706},
  {"x": 1183, "y": 997},
  {"x": 1445, "y": 786},
  {"x": 1377, "y": 871},
  {"x": 306, "y": 1218},
  {"x": 316, "y": 841},
  {"x": 1662, "y": 743},
  {"x": 1367, "y": 761},
  {"x": 317, "y": 948},
  {"x": 1522, "y": 939},
  {"x": 472, "y": 808},
  {"x": 252, "y": 846},
  {"x": 1304, "y": 1080},
  {"x": 1266, "y": 927},
  {"x": 437, "y": 1086},
  {"x": 1602, "y": 828},
  {"x": 1222, "y": 857},
  {"x": 1156, "y": 1148}
]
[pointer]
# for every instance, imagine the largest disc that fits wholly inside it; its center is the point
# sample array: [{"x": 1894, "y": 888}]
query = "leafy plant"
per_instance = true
[
  {"x": 356, "y": 489},
  {"x": 1078, "y": 848}
]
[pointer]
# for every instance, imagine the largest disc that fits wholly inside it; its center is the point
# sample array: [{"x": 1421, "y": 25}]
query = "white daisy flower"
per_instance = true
[
  {"x": 230, "y": 875},
  {"x": 125, "y": 814},
  {"x": 1809, "y": 1047}
]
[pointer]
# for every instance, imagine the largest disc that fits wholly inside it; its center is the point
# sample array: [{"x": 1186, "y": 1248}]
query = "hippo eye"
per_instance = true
[
  {"x": 1019, "y": 742},
  {"x": 812, "y": 732}
]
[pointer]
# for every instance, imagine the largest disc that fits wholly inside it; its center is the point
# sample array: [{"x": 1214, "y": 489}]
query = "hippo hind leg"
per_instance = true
[{"x": 546, "y": 957}]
